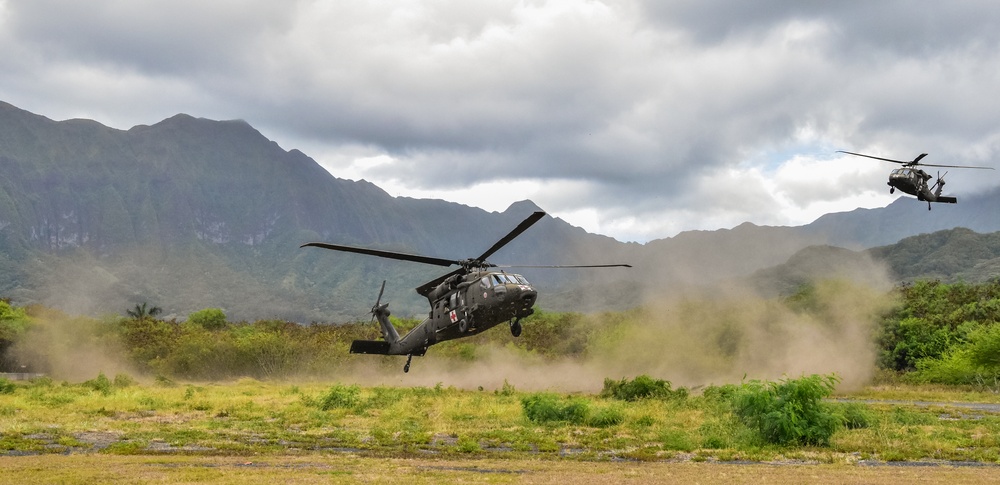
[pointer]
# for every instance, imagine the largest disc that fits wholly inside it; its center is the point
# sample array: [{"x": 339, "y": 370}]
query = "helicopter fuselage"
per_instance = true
[
  {"x": 913, "y": 181},
  {"x": 461, "y": 306},
  {"x": 464, "y": 302}
]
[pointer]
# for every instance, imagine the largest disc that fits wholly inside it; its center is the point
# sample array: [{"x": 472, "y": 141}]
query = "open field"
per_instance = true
[
  {"x": 118, "y": 430},
  {"x": 351, "y": 468}
]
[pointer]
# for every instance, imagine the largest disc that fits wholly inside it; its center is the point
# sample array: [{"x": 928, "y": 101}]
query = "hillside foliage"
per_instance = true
[
  {"x": 944, "y": 333},
  {"x": 934, "y": 332}
]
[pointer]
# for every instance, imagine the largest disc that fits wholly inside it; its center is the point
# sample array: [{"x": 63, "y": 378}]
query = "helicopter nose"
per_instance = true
[{"x": 528, "y": 296}]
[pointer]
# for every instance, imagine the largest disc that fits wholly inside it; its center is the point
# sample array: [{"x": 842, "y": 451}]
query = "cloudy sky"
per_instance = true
[{"x": 635, "y": 119}]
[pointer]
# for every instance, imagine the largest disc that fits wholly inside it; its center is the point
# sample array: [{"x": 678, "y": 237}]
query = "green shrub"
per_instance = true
[
  {"x": 341, "y": 397},
  {"x": 984, "y": 347},
  {"x": 123, "y": 380},
  {"x": 642, "y": 387},
  {"x": 100, "y": 384},
  {"x": 543, "y": 408},
  {"x": 7, "y": 386},
  {"x": 14, "y": 321},
  {"x": 607, "y": 417},
  {"x": 789, "y": 412},
  {"x": 723, "y": 393},
  {"x": 506, "y": 390},
  {"x": 954, "y": 367},
  {"x": 208, "y": 318}
]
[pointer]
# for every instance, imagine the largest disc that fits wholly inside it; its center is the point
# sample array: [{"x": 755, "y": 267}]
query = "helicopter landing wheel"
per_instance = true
[
  {"x": 515, "y": 328},
  {"x": 463, "y": 325},
  {"x": 406, "y": 368},
  {"x": 892, "y": 190}
]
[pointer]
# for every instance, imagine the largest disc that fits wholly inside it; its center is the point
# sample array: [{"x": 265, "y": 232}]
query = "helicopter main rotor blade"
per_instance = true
[
  {"x": 916, "y": 161},
  {"x": 880, "y": 158},
  {"x": 956, "y": 166},
  {"x": 523, "y": 226},
  {"x": 384, "y": 254},
  {"x": 565, "y": 266}
]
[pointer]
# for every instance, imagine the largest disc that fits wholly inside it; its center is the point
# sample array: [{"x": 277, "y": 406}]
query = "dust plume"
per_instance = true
[
  {"x": 717, "y": 335},
  {"x": 69, "y": 348},
  {"x": 724, "y": 338}
]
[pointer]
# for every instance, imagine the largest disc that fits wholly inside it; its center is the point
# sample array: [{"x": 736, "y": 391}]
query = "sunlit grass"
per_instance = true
[{"x": 272, "y": 418}]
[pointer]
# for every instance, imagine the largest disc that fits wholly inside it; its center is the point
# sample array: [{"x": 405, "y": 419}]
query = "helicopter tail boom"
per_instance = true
[{"x": 376, "y": 347}]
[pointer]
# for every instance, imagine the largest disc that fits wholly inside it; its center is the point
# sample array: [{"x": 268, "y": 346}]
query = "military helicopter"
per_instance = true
[
  {"x": 464, "y": 302},
  {"x": 913, "y": 181}
]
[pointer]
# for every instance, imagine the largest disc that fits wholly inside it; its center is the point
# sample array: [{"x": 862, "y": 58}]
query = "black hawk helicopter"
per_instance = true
[
  {"x": 464, "y": 302},
  {"x": 913, "y": 181}
]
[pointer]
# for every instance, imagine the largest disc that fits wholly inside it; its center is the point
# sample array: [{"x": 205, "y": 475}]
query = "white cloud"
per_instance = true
[{"x": 637, "y": 119}]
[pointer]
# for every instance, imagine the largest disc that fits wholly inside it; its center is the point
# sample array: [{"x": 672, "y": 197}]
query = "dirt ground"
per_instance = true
[{"x": 347, "y": 468}]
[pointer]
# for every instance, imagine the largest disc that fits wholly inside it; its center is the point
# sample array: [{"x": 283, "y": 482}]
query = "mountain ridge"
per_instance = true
[{"x": 190, "y": 212}]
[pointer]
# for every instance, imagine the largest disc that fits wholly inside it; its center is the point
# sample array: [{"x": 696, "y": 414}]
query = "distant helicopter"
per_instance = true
[
  {"x": 913, "y": 180},
  {"x": 464, "y": 302}
]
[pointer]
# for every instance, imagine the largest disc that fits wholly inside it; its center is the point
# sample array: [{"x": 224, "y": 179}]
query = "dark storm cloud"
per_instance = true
[{"x": 642, "y": 117}]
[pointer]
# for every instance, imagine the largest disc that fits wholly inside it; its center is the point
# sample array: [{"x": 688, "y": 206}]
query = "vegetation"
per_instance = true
[
  {"x": 935, "y": 332},
  {"x": 642, "y": 387},
  {"x": 789, "y": 412},
  {"x": 944, "y": 333},
  {"x": 141, "y": 311},
  {"x": 248, "y": 417}
]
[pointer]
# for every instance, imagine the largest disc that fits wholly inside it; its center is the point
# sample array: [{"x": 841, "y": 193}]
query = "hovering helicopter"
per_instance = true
[
  {"x": 913, "y": 181},
  {"x": 464, "y": 302}
]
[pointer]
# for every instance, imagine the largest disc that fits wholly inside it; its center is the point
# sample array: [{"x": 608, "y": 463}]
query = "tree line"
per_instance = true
[{"x": 933, "y": 332}]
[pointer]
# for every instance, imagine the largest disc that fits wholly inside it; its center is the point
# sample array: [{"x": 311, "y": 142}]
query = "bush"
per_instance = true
[
  {"x": 789, "y": 412},
  {"x": 607, "y": 417},
  {"x": 341, "y": 397},
  {"x": 642, "y": 387},
  {"x": 208, "y": 318},
  {"x": 100, "y": 384},
  {"x": 545, "y": 408},
  {"x": 7, "y": 386},
  {"x": 14, "y": 321},
  {"x": 723, "y": 393}
]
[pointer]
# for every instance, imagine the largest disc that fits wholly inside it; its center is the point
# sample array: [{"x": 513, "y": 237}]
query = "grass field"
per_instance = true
[{"x": 119, "y": 430}]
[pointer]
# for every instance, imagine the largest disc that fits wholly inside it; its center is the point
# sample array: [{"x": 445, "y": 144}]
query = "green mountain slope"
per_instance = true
[
  {"x": 191, "y": 213},
  {"x": 951, "y": 255}
]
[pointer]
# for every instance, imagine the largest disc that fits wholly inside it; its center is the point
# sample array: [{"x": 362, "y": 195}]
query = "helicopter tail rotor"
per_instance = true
[
  {"x": 937, "y": 187},
  {"x": 378, "y": 307},
  {"x": 939, "y": 184},
  {"x": 380, "y": 311}
]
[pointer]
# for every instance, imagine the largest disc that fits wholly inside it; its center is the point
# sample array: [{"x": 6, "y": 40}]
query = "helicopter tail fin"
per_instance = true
[
  {"x": 381, "y": 312},
  {"x": 389, "y": 333}
]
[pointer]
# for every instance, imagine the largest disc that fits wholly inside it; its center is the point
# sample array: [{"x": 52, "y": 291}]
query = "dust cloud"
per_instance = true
[
  {"x": 725, "y": 333},
  {"x": 70, "y": 349},
  {"x": 690, "y": 335}
]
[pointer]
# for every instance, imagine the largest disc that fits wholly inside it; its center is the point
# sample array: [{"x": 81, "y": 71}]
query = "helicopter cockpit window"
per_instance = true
[
  {"x": 521, "y": 280},
  {"x": 486, "y": 282},
  {"x": 499, "y": 279}
]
